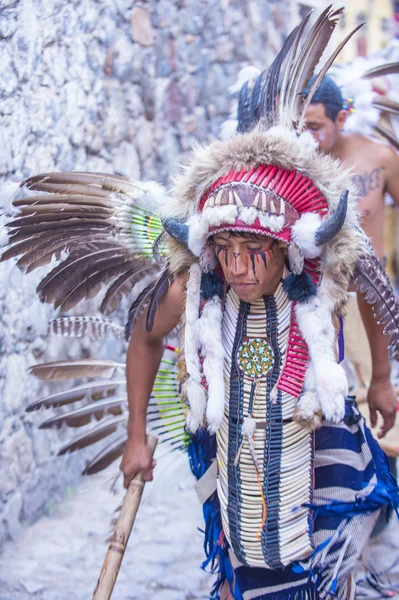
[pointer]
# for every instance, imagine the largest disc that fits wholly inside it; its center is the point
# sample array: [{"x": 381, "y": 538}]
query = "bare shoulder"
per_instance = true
[
  {"x": 362, "y": 151},
  {"x": 175, "y": 297}
]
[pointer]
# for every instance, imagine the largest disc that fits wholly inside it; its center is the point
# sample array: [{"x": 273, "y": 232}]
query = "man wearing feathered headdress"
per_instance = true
[{"x": 262, "y": 243}]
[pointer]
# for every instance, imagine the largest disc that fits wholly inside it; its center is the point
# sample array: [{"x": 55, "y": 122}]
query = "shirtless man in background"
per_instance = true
[{"x": 376, "y": 172}]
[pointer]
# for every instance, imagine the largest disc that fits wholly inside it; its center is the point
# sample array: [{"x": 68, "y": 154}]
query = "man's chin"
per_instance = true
[{"x": 248, "y": 293}]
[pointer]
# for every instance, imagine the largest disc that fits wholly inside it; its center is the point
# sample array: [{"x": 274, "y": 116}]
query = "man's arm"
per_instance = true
[
  {"x": 143, "y": 359},
  {"x": 381, "y": 395}
]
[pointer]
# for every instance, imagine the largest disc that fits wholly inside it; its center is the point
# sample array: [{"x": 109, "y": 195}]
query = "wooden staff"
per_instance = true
[{"x": 119, "y": 540}]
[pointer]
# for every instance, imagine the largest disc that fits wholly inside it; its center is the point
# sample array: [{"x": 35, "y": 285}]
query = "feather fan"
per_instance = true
[
  {"x": 100, "y": 227},
  {"x": 103, "y": 401}
]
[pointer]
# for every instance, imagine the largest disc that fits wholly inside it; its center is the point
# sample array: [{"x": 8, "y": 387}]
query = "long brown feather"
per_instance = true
[
  {"x": 104, "y": 201},
  {"x": 53, "y": 247},
  {"x": 386, "y": 104},
  {"x": 122, "y": 287},
  {"x": 315, "y": 44},
  {"x": 83, "y": 416},
  {"x": 160, "y": 289},
  {"x": 382, "y": 70},
  {"x": 74, "y": 266},
  {"x": 72, "y": 369},
  {"x": 315, "y": 85},
  {"x": 90, "y": 391},
  {"x": 373, "y": 283},
  {"x": 95, "y": 435},
  {"x": 62, "y": 183},
  {"x": 291, "y": 65},
  {"x": 92, "y": 284},
  {"x": 93, "y": 327},
  {"x": 137, "y": 308},
  {"x": 107, "y": 456}
]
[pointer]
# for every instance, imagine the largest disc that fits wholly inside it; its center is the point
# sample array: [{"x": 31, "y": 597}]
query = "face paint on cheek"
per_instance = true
[
  {"x": 224, "y": 249},
  {"x": 264, "y": 254},
  {"x": 252, "y": 257}
]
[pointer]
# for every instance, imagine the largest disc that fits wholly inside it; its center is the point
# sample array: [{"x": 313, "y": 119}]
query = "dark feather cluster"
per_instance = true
[
  {"x": 278, "y": 90},
  {"x": 373, "y": 283}
]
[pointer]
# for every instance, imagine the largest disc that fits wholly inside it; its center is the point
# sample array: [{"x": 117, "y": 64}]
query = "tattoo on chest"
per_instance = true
[{"x": 368, "y": 181}]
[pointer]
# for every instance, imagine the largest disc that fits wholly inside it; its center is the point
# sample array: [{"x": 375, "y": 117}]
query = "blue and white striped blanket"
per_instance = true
[{"x": 351, "y": 483}]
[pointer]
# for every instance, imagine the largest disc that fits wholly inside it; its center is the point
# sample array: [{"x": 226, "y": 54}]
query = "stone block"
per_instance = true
[{"x": 142, "y": 30}]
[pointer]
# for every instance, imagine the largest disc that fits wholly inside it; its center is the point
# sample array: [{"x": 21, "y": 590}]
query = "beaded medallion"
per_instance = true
[{"x": 255, "y": 357}]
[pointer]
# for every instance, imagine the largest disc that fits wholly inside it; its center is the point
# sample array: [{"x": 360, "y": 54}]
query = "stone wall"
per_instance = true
[{"x": 106, "y": 85}]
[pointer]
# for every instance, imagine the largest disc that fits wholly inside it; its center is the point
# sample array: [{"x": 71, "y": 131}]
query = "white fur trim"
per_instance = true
[
  {"x": 197, "y": 398},
  {"x": 303, "y": 234},
  {"x": 330, "y": 383},
  {"x": 308, "y": 407},
  {"x": 217, "y": 215},
  {"x": 195, "y": 391},
  {"x": 276, "y": 223},
  {"x": 210, "y": 336},
  {"x": 273, "y": 222},
  {"x": 248, "y": 214},
  {"x": 197, "y": 230}
]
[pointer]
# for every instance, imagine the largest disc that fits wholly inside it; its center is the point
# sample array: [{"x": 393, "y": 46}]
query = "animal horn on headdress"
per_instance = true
[
  {"x": 330, "y": 227},
  {"x": 177, "y": 230}
]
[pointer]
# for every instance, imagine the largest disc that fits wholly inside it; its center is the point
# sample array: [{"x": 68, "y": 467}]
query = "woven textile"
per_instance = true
[{"x": 351, "y": 483}]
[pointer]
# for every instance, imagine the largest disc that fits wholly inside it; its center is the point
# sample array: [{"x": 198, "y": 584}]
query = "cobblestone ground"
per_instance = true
[{"x": 60, "y": 557}]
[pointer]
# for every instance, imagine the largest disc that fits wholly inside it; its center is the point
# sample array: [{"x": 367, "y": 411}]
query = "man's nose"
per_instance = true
[{"x": 239, "y": 264}]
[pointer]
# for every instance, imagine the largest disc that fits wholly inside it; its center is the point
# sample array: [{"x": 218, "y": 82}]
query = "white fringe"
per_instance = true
[
  {"x": 195, "y": 391},
  {"x": 210, "y": 336},
  {"x": 315, "y": 323}
]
